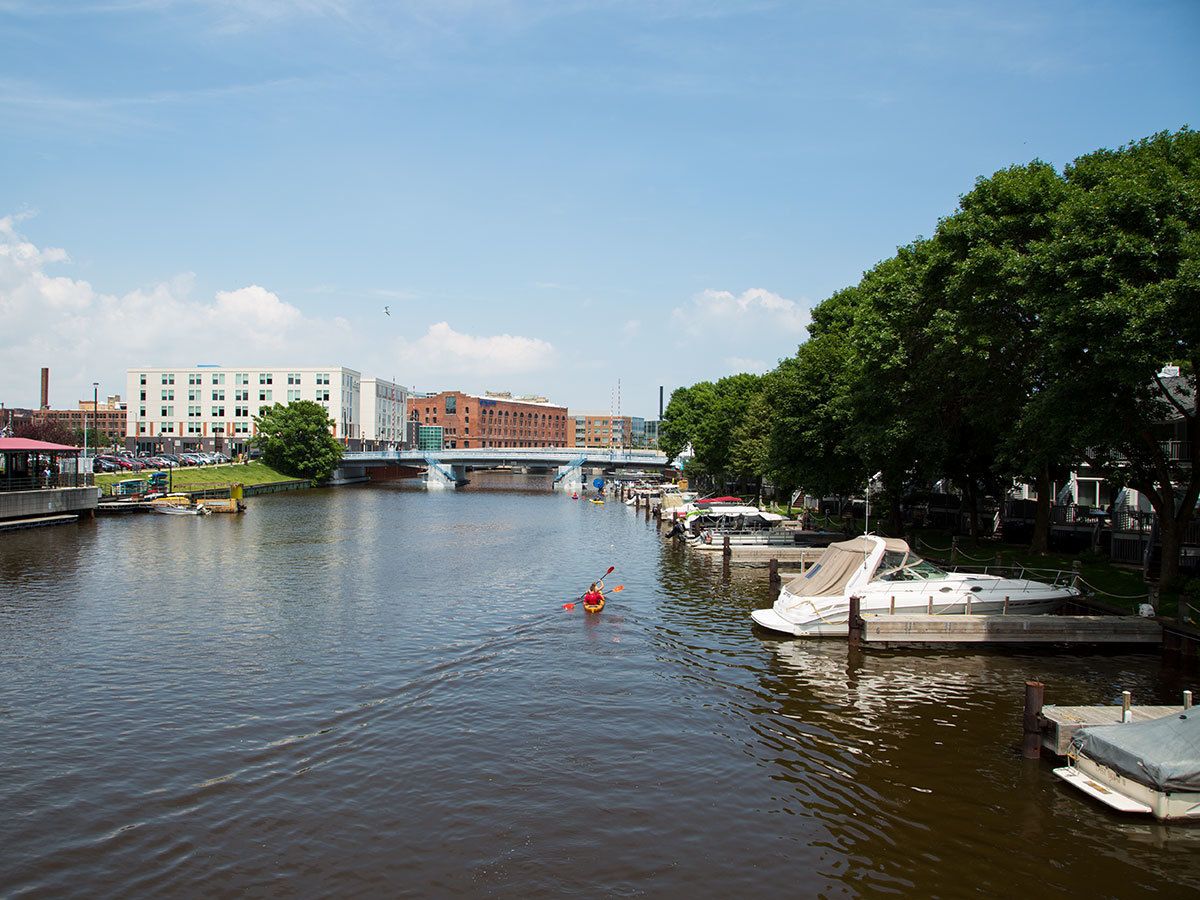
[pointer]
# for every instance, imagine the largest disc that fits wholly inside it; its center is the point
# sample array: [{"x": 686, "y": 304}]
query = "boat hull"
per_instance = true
[
  {"x": 1129, "y": 796},
  {"x": 830, "y": 616}
]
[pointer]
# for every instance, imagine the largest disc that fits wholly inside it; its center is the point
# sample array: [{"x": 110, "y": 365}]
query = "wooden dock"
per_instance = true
[
  {"x": 39, "y": 522},
  {"x": 1059, "y": 723},
  {"x": 760, "y": 553},
  {"x": 920, "y": 629}
]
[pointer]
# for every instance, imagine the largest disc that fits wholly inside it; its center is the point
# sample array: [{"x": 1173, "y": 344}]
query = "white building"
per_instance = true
[
  {"x": 213, "y": 407},
  {"x": 384, "y": 411}
]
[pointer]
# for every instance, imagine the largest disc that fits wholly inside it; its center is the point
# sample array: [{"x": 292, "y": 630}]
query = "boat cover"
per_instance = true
[
  {"x": 829, "y": 575},
  {"x": 1162, "y": 753}
]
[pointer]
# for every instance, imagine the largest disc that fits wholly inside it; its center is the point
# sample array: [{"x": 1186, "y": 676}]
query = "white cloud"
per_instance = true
[
  {"x": 755, "y": 309},
  {"x": 86, "y": 335},
  {"x": 739, "y": 364},
  {"x": 444, "y": 351}
]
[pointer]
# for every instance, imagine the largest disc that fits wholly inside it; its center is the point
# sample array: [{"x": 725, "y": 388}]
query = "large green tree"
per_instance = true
[
  {"x": 295, "y": 439},
  {"x": 1125, "y": 260}
]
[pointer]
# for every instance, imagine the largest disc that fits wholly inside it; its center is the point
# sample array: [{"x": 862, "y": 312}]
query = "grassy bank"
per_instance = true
[{"x": 197, "y": 478}]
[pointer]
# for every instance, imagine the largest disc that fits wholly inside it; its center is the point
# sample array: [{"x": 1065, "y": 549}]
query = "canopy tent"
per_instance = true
[
  {"x": 26, "y": 464},
  {"x": 1163, "y": 753},
  {"x": 829, "y": 575}
]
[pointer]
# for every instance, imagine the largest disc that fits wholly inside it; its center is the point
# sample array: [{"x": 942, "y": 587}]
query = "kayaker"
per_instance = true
[{"x": 593, "y": 596}]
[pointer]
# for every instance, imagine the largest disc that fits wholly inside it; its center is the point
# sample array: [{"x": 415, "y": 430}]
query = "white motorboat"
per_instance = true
[
  {"x": 888, "y": 576},
  {"x": 182, "y": 510}
]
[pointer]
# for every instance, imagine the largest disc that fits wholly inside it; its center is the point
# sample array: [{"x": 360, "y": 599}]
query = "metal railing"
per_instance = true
[{"x": 41, "y": 482}]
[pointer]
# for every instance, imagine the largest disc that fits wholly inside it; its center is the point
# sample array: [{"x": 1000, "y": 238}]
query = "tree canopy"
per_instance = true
[
  {"x": 1025, "y": 336},
  {"x": 295, "y": 439}
]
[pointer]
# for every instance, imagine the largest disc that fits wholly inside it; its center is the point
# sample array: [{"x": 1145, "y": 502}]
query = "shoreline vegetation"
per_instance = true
[{"x": 1048, "y": 325}]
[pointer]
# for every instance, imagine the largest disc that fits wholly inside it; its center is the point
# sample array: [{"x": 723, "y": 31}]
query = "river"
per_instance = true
[{"x": 377, "y": 691}]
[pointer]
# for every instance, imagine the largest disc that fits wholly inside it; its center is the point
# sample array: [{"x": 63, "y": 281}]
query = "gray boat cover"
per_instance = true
[{"x": 1163, "y": 753}]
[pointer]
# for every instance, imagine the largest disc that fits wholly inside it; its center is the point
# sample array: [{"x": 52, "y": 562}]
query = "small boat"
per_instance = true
[
  {"x": 1140, "y": 767},
  {"x": 177, "y": 505},
  {"x": 594, "y": 607},
  {"x": 887, "y": 576},
  {"x": 598, "y": 502},
  {"x": 182, "y": 510}
]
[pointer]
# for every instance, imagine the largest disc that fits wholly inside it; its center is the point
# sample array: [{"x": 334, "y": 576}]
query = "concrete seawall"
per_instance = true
[{"x": 47, "y": 502}]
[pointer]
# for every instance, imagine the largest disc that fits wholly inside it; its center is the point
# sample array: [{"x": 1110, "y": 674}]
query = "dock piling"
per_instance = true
[
  {"x": 1187, "y": 699},
  {"x": 1126, "y": 706},
  {"x": 726, "y": 549},
  {"x": 773, "y": 578},
  {"x": 892, "y": 605},
  {"x": 1035, "y": 696},
  {"x": 931, "y": 604},
  {"x": 855, "y": 622},
  {"x": 1006, "y": 606}
]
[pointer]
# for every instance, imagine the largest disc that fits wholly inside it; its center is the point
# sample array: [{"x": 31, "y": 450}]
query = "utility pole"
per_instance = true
[{"x": 95, "y": 411}]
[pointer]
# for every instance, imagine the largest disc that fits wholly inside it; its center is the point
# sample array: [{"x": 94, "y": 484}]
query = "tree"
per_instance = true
[
  {"x": 46, "y": 430},
  {"x": 295, "y": 439},
  {"x": 1125, "y": 256}
]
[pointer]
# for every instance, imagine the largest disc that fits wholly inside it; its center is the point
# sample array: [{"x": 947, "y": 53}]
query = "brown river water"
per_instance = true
[{"x": 371, "y": 691}]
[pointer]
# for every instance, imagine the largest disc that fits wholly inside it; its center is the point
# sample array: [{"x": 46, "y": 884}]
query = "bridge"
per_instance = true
[{"x": 448, "y": 468}]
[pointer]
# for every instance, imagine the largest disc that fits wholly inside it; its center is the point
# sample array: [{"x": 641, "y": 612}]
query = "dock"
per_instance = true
[
  {"x": 1061, "y": 722},
  {"x": 1052, "y": 727},
  {"x": 921, "y": 629},
  {"x": 760, "y": 553},
  {"x": 39, "y": 522}
]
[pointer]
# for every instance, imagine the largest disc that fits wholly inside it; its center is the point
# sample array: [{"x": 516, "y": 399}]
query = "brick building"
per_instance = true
[
  {"x": 108, "y": 417},
  {"x": 607, "y": 430},
  {"x": 494, "y": 420}
]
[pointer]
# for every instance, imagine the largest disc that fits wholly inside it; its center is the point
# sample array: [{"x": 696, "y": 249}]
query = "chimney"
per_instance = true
[
  {"x": 45, "y": 388},
  {"x": 660, "y": 399}
]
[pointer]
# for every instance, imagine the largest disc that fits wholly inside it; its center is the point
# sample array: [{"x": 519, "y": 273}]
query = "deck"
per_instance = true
[{"x": 1059, "y": 723}]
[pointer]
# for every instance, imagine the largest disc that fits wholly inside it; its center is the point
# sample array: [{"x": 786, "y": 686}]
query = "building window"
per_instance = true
[
  {"x": 218, "y": 378},
  {"x": 218, "y": 394},
  {"x": 264, "y": 396},
  {"x": 264, "y": 378},
  {"x": 168, "y": 394},
  {"x": 194, "y": 378},
  {"x": 218, "y": 412},
  {"x": 241, "y": 395},
  {"x": 322, "y": 378},
  {"x": 143, "y": 397},
  {"x": 141, "y": 412},
  {"x": 193, "y": 428},
  {"x": 241, "y": 427},
  {"x": 293, "y": 395},
  {"x": 218, "y": 429},
  {"x": 194, "y": 411},
  {"x": 241, "y": 378},
  {"x": 241, "y": 411},
  {"x": 168, "y": 378},
  {"x": 293, "y": 378},
  {"x": 142, "y": 379}
]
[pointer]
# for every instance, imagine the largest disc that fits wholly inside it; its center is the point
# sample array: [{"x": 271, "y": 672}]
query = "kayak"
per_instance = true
[
  {"x": 594, "y": 607},
  {"x": 598, "y": 502}
]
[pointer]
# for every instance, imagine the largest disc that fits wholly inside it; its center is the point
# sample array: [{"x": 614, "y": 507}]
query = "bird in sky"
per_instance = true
[{"x": 387, "y": 310}]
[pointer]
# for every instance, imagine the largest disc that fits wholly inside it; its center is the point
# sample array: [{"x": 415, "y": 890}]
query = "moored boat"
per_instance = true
[
  {"x": 887, "y": 576},
  {"x": 1140, "y": 767}
]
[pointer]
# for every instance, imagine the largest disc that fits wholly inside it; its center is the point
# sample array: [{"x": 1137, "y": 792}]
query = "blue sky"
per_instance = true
[{"x": 548, "y": 196}]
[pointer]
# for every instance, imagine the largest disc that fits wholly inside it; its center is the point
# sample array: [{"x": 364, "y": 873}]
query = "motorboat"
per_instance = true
[
  {"x": 183, "y": 510},
  {"x": 178, "y": 505},
  {"x": 1140, "y": 767},
  {"x": 888, "y": 576}
]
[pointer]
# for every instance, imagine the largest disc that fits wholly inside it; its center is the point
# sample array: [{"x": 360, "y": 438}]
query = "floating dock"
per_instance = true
[{"x": 921, "y": 629}]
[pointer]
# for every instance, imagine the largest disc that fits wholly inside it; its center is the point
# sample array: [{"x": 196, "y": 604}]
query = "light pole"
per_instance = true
[{"x": 95, "y": 410}]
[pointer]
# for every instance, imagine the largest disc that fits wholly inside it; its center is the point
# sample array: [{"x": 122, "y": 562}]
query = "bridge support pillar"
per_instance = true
[{"x": 569, "y": 479}]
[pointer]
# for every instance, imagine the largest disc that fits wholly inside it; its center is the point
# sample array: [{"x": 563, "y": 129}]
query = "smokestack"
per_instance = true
[
  {"x": 45, "y": 387},
  {"x": 660, "y": 406}
]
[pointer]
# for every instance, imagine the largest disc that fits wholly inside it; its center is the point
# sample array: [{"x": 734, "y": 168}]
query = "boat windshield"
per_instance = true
[{"x": 903, "y": 566}]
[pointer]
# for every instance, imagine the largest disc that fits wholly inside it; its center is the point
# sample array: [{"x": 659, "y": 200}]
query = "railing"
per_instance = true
[
  {"x": 41, "y": 482},
  {"x": 1177, "y": 451}
]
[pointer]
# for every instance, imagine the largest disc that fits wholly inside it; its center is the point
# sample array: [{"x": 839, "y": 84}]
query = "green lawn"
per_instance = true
[{"x": 194, "y": 478}]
